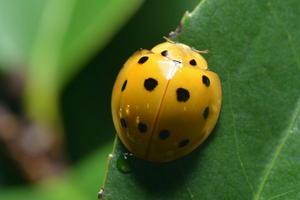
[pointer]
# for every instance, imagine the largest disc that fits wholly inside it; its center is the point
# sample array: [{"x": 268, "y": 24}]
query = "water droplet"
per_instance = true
[
  {"x": 127, "y": 109},
  {"x": 148, "y": 105},
  {"x": 184, "y": 108},
  {"x": 121, "y": 113},
  {"x": 170, "y": 153},
  {"x": 100, "y": 193},
  {"x": 126, "y": 163},
  {"x": 137, "y": 120}
]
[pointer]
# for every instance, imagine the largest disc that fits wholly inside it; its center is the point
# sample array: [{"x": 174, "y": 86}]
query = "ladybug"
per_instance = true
[{"x": 165, "y": 102}]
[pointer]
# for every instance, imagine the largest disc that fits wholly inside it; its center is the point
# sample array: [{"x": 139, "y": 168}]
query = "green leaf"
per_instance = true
[
  {"x": 253, "y": 152},
  {"x": 73, "y": 29}
]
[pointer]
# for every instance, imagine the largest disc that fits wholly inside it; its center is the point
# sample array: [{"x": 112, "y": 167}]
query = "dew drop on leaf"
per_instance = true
[{"x": 126, "y": 163}]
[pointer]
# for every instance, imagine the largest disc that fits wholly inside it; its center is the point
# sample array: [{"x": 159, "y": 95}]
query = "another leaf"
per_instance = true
[{"x": 49, "y": 40}]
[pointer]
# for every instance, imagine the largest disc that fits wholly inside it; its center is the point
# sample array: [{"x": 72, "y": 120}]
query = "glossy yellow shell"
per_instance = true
[{"x": 165, "y": 102}]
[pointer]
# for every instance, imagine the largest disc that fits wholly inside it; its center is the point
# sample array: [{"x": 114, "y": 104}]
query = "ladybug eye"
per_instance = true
[
  {"x": 193, "y": 62},
  {"x": 124, "y": 86},
  {"x": 142, "y": 60},
  {"x": 123, "y": 123},
  {"x": 183, "y": 143},
  {"x": 205, "y": 81},
  {"x": 206, "y": 112},
  {"x": 164, "y": 53}
]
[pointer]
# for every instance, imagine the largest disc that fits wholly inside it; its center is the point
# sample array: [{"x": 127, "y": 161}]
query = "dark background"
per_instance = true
[{"x": 86, "y": 101}]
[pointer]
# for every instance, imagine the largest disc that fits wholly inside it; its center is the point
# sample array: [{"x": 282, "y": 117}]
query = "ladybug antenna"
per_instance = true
[
  {"x": 198, "y": 51},
  {"x": 192, "y": 48},
  {"x": 169, "y": 40}
]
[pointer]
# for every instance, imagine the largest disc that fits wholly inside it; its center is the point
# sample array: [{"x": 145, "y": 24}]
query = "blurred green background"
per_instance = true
[{"x": 79, "y": 76}]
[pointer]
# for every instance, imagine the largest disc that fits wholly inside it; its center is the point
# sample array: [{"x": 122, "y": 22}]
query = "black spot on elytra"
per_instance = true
[
  {"x": 124, "y": 86},
  {"x": 164, "y": 134},
  {"x": 150, "y": 84},
  {"x": 206, "y": 112},
  {"x": 143, "y": 59},
  {"x": 182, "y": 95},
  {"x": 193, "y": 62},
  {"x": 164, "y": 53},
  {"x": 183, "y": 143},
  {"x": 205, "y": 80},
  {"x": 142, "y": 127},
  {"x": 123, "y": 123}
]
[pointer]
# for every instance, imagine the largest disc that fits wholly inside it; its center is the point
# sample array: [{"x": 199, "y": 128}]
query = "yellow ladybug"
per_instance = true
[{"x": 165, "y": 102}]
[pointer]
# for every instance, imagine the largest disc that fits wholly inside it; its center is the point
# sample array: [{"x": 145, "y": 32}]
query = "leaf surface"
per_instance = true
[{"x": 253, "y": 152}]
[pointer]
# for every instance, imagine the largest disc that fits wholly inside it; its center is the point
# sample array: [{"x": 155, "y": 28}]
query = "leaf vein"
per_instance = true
[
  {"x": 284, "y": 193},
  {"x": 280, "y": 147},
  {"x": 287, "y": 32},
  {"x": 294, "y": 118},
  {"x": 235, "y": 136}
]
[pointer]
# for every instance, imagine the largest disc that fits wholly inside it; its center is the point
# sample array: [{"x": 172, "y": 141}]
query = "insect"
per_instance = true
[{"x": 165, "y": 102}]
